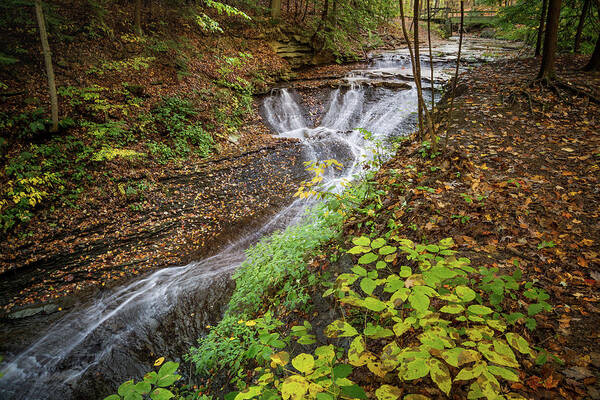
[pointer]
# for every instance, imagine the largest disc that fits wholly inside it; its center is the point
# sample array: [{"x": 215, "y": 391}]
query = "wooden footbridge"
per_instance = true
[{"x": 449, "y": 17}]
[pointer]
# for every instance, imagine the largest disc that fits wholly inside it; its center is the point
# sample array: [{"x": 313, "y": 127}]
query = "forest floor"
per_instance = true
[{"x": 518, "y": 186}]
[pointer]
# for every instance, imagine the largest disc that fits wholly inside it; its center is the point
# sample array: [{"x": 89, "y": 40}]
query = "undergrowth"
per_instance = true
[{"x": 276, "y": 267}]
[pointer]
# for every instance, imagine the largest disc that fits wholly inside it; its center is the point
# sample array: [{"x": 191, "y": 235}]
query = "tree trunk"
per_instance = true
[
  {"x": 137, "y": 25},
  {"x": 325, "y": 10},
  {"x": 430, "y": 55},
  {"x": 538, "y": 45},
  {"x": 39, "y": 13},
  {"x": 275, "y": 9},
  {"x": 460, "y": 40},
  {"x": 577, "y": 45},
  {"x": 549, "y": 53},
  {"x": 417, "y": 62},
  {"x": 594, "y": 63}
]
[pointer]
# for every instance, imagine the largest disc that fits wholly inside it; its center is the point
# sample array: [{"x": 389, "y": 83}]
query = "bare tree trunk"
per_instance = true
[
  {"x": 275, "y": 9},
  {"x": 538, "y": 45},
  {"x": 594, "y": 63},
  {"x": 305, "y": 10},
  {"x": 549, "y": 53},
  {"x": 577, "y": 45},
  {"x": 430, "y": 55},
  {"x": 39, "y": 13},
  {"x": 417, "y": 62},
  {"x": 137, "y": 25},
  {"x": 416, "y": 71},
  {"x": 460, "y": 40}
]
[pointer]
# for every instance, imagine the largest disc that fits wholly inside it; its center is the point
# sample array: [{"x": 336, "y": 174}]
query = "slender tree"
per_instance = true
[
  {"x": 39, "y": 13},
  {"x": 594, "y": 63},
  {"x": 586, "y": 7},
  {"x": 137, "y": 23},
  {"x": 417, "y": 74},
  {"x": 550, "y": 38},
  {"x": 540, "y": 35},
  {"x": 417, "y": 62},
  {"x": 430, "y": 54},
  {"x": 455, "y": 81},
  {"x": 275, "y": 9}
]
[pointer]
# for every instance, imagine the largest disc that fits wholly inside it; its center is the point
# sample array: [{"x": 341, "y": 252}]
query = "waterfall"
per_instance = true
[{"x": 113, "y": 337}]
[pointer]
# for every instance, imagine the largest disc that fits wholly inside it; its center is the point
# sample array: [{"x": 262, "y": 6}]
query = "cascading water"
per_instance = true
[{"x": 99, "y": 345}]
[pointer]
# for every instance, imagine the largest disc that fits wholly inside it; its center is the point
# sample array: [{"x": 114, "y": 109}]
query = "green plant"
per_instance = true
[
  {"x": 427, "y": 319},
  {"x": 162, "y": 152},
  {"x": 154, "y": 385},
  {"x": 107, "y": 153},
  {"x": 39, "y": 174},
  {"x": 277, "y": 264},
  {"x": 174, "y": 114},
  {"x": 134, "y": 63}
]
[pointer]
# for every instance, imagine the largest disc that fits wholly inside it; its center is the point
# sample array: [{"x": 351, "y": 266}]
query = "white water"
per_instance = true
[{"x": 98, "y": 341}]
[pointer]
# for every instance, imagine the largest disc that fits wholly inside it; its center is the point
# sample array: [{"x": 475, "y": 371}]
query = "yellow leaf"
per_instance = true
[{"x": 159, "y": 361}]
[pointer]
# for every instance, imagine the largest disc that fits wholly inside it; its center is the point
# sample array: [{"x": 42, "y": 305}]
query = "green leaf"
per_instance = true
[
  {"x": 452, "y": 309},
  {"x": 513, "y": 317},
  {"x": 534, "y": 309},
  {"x": 415, "y": 397},
  {"x": 519, "y": 343},
  {"x": 294, "y": 387},
  {"x": 465, "y": 293},
  {"x": 377, "y": 332},
  {"x": 419, "y": 301},
  {"x": 432, "y": 248},
  {"x": 161, "y": 394},
  {"x": 374, "y": 304},
  {"x": 324, "y": 396},
  {"x": 381, "y": 265},
  {"x": 354, "y": 392},
  {"x": 368, "y": 285},
  {"x": 143, "y": 387},
  {"x": 113, "y": 397},
  {"x": 401, "y": 327},
  {"x": 388, "y": 392},
  {"x": 168, "y": 368},
  {"x": 304, "y": 362},
  {"x": 472, "y": 372},
  {"x": 342, "y": 371},
  {"x": 151, "y": 377},
  {"x": 505, "y": 373},
  {"x": 501, "y": 354},
  {"x": 367, "y": 258},
  {"x": 497, "y": 324},
  {"x": 480, "y": 310},
  {"x": 405, "y": 271},
  {"x": 167, "y": 380},
  {"x": 126, "y": 388},
  {"x": 359, "y": 250},
  {"x": 357, "y": 354},
  {"x": 414, "y": 370},
  {"x": 358, "y": 270},
  {"x": 340, "y": 329},
  {"x": 489, "y": 385},
  {"x": 133, "y": 396},
  {"x": 458, "y": 356},
  {"x": 385, "y": 250},
  {"x": 250, "y": 393},
  {"x": 530, "y": 323},
  {"x": 440, "y": 375},
  {"x": 377, "y": 243},
  {"x": 362, "y": 241}
]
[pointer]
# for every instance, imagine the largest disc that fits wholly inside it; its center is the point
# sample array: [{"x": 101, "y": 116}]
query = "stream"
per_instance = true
[{"x": 100, "y": 343}]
